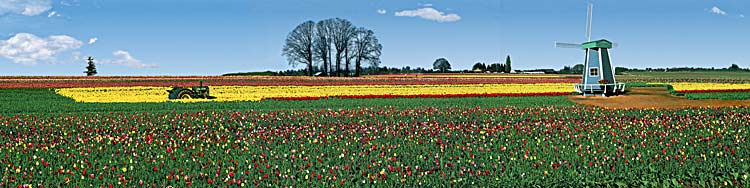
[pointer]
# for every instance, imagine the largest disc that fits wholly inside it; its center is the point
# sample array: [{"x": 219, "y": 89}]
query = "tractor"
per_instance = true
[{"x": 195, "y": 92}]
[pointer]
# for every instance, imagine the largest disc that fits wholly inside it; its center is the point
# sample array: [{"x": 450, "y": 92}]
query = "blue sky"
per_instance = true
[{"x": 201, "y": 37}]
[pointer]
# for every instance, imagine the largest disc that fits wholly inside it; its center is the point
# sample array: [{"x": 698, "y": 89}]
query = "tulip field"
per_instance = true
[{"x": 380, "y": 131}]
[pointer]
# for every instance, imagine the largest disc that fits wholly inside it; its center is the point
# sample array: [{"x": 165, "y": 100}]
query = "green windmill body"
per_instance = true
[{"x": 599, "y": 74}]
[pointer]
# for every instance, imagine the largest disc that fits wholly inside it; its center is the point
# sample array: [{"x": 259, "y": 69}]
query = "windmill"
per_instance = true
[{"x": 599, "y": 74}]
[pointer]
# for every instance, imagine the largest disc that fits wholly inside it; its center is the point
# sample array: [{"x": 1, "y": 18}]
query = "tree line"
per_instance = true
[
  {"x": 578, "y": 69},
  {"x": 494, "y": 67},
  {"x": 733, "y": 67},
  {"x": 335, "y": 44},
  {"x": 441, "y": 65}
]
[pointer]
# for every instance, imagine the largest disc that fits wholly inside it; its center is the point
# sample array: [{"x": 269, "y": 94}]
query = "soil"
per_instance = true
[{"x": 652, "y": 98}]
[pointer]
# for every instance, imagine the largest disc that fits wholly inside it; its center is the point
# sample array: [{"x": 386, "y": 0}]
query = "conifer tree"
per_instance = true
[
  {"x": 91, "y": 68},
  {"x": 507, "y": 64}
]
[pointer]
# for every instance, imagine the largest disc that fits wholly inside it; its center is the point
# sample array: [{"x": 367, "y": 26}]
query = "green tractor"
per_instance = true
[{"x": 195, "y": 92}]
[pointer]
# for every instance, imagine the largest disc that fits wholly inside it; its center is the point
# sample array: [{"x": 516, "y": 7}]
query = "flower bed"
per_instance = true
[
  {"x": 683, "y": 87},
  {"x": 73, "y": 82},
  {"x": 379, "y": 147},
  {"x": 256, "y": 93}
]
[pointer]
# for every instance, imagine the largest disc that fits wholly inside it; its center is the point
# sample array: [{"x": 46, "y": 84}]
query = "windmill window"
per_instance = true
[{"x": 594, "y": 72}]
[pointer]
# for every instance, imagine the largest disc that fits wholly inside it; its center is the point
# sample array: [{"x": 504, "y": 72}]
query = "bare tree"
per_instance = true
[
  {"x": 342, "y": 33},
  {"x": 322, "y": 47},
  {"x": 299, "y": 45},
  {"x": 312, "y": 42},
  {"x": 347, "y": 60},
  {"x": 366, "y": 48}
]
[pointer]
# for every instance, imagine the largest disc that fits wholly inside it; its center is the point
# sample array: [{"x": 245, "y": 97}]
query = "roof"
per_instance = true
[{"x": 597, "y": 44}]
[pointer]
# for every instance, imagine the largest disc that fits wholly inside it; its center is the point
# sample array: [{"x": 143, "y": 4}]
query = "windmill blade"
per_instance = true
[
  {"x": 589, "y": 22},
  {"x": 567, "y": 45}
]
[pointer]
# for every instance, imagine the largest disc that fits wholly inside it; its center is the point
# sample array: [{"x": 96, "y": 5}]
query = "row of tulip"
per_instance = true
[
  {"x": 683, "y": 87},
  {"x": 257, "y": 93},
  {"x": 264, "y": 81},
  {"x": 432, "y": 75},
  {"x": 379, "y": 147},
  {"x": 729, "y": 80},
  {"x": 472, "y": 75}
]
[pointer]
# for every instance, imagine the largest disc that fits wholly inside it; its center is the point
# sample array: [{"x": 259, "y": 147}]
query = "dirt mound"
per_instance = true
[{"x": 652, "y": 98}]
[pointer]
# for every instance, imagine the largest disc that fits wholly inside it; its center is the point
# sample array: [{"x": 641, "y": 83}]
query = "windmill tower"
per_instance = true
[{"x": 599, "y": 74}]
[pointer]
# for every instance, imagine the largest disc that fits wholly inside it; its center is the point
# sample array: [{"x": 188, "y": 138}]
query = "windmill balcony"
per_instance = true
[{"x": 600, "y": 89}]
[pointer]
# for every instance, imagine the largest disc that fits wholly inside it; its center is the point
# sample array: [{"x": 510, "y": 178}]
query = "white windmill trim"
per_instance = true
[
  {"x": 601, "y": 76},
  {"x": 609, "y": 59},
  {"x": 586, "y": 68}
]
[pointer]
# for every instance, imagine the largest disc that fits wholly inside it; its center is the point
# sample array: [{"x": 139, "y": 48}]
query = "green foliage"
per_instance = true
[
  {"x": 719, "y": 95},
  {"x": 563, "y": 146},
  {"x": 479, "y": 66},
  {"x": 14, "y": 101},
  {"x": 670, "y": 88},
  {"x": 643, "y": 84},
  {"x": 507, "y": 64},
  {"x": 91, "y": 68},
  {"x": 687, "y": 76},
  {"x": 695, "y": 96},
  {"x": 441, "y": 64},
  {"x": 496, "y": 67},
  {"x": 731, "y": 68},
  {"x": 734, "y": 67},
  {"x": 577, "y": 69},
  {"x": 459, "y": 142}
]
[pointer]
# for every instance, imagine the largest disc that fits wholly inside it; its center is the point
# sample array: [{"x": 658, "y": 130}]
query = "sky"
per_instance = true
[{"x": 212, "y": 37}]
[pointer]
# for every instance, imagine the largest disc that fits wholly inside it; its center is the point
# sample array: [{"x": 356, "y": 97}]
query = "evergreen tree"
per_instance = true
[
  {"x": 507, "y": 64},
  {"x": 91, "y": 68}
]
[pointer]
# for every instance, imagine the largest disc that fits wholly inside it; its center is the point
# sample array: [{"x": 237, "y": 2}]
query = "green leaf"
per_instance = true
[{"x": 620, "y": 184}]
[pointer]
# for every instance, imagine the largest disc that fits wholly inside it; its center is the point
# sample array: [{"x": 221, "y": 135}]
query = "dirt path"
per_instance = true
[{"x": 652, "y": 98}]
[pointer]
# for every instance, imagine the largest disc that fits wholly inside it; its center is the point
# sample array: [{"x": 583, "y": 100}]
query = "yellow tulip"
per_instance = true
[
  {"x": 257, "y": 93},
  {"x": 684, "y": 86}
]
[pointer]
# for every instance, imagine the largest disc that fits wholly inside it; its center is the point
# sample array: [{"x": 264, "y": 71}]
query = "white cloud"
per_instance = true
[
  {"x": 51, "y": 14},
  {"x": 25, "y": 7},
  {"x": 69, "y": 3},
  {"x": 427, "y": 5},
  {"x": 382, "y": 11},
  {"x": 28, "y": 49},
  {"x": 742, "y": 15},
  {"x": 93, "y": 40},
  {"x": 717, "y": 10},
  {"x": 124, "y": 58},
  {"x": 77, "y": 56},
  {"x": 429, "y": 14}
]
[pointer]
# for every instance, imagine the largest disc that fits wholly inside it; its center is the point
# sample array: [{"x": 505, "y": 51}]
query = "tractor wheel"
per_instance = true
[{"x": 185, "y": 94}]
